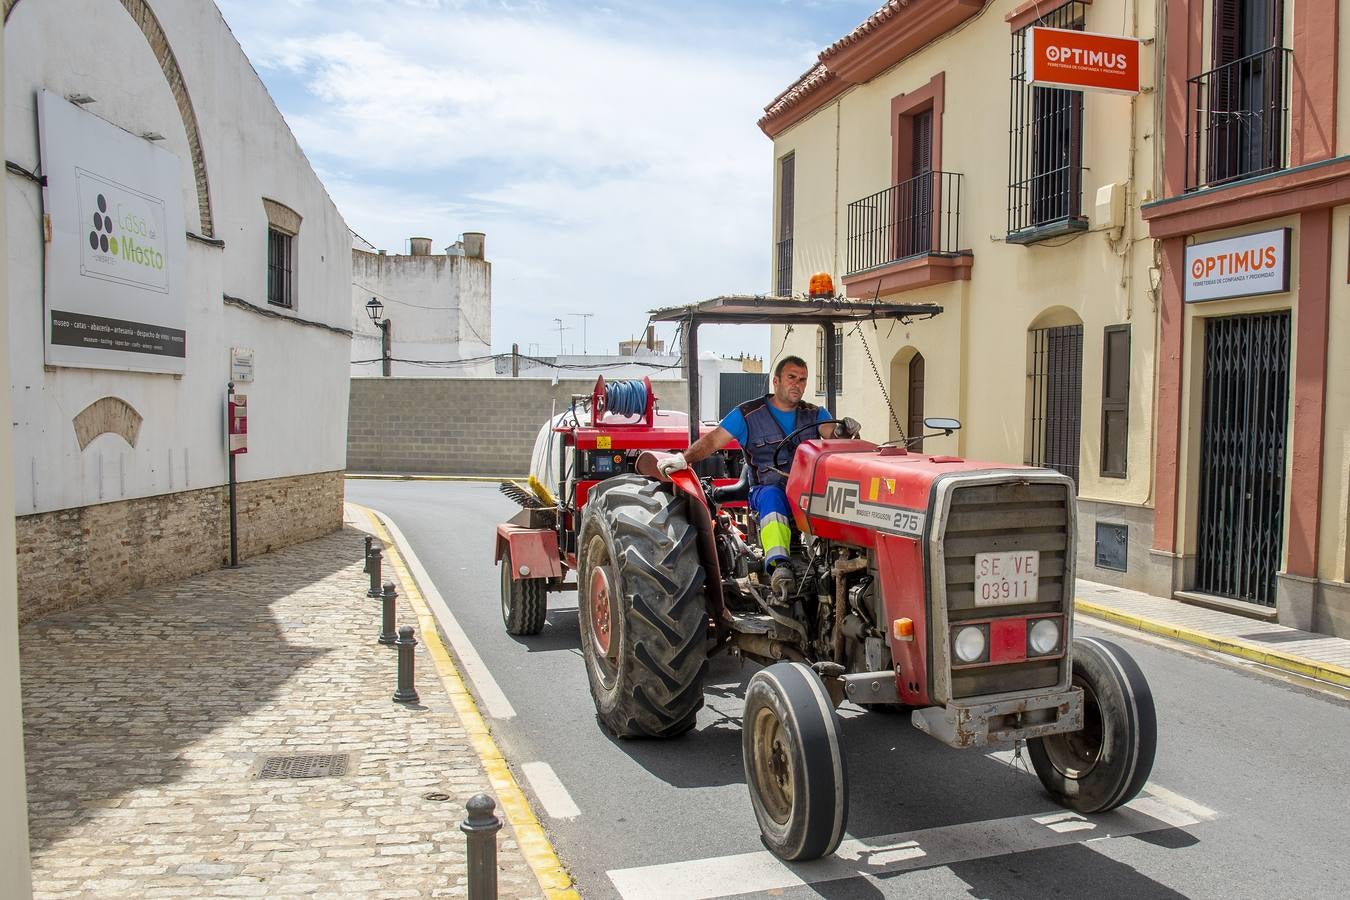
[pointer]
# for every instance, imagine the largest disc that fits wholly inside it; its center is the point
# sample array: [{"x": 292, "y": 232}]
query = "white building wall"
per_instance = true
[
  {"x": 439, "y": 307},
  {"x": 298, "y": 402}
]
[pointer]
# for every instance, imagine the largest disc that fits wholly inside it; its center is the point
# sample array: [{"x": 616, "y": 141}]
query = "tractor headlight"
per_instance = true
[
  {"x": 1043, "y": 637},
  {"x": 970, "y": 644}
]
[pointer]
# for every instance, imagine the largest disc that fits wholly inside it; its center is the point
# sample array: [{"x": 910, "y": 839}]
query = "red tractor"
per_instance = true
[{"x": 924, "y": 582}]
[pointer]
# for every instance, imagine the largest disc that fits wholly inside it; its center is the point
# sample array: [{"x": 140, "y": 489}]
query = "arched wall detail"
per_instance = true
[
  {"x": 107, "y": 415},
  {"x": 144, "y": 16}
]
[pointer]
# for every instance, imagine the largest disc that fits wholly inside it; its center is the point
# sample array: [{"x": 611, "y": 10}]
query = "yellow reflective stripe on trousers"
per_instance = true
[{"x": 774, "y": 535}]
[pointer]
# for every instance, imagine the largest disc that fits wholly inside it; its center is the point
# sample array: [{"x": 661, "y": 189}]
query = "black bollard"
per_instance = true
[
  {"x": 387, "y": 635},
  {"x": 373, "y": 567},
  {"x": 370, "y": 542},
  {"x": 406, "y": 693},
  {"x": 480, "y": 827}
]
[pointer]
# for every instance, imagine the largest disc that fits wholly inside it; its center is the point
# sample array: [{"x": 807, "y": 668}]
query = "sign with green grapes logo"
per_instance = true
[{"x": 116, "y": 281}]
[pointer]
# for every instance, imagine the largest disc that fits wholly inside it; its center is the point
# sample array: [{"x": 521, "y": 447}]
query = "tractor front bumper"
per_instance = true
[{"x": 979, "y": 721}]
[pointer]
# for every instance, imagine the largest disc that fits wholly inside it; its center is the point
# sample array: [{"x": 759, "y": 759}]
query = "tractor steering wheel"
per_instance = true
[{"x": 787, "y": 440}]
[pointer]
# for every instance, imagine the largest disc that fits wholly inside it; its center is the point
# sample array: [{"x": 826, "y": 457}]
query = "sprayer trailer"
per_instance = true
[{"x": 923, "y": 582}]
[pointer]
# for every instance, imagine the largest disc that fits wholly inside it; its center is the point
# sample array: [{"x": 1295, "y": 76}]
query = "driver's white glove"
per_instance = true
[{"x": 672, "y": 464}]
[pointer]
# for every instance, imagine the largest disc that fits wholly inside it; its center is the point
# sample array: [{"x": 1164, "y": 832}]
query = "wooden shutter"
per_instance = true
[
  {"x": 786, "y": 177},
  {"x": 1115, "y": 400}
]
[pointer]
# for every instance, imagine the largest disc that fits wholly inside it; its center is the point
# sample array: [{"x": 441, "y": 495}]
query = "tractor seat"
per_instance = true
[{"x": 731, "y": 493}]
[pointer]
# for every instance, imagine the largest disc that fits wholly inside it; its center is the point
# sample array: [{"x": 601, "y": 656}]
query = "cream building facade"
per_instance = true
[
  {"x": 914, "y": 164},
  {"x": 1207, "y": 432}
]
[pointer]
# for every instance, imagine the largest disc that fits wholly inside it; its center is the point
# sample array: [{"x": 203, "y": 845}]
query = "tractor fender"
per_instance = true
[
  {"x": 536, "y": 548},
  {"x": 686, "y": 482}
]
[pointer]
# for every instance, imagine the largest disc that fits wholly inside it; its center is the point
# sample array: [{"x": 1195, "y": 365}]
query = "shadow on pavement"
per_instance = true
[{"x": 115, "y": 693}]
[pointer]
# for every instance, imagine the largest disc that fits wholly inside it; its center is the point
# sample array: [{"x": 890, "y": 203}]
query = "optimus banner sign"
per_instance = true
[
  {"x": 115, "y": 276},
  {"x": 1238, "y": 267},
  {"x": 1082, "y": 60}
]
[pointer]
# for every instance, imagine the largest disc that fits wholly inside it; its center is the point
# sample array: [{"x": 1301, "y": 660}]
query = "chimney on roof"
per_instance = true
[
  {"x": 420, "y": 246},
  {"x": 473, "y": 244}
]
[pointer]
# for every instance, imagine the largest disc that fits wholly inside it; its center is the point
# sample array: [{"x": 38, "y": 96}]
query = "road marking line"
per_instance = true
[
  {"x": 489, "y": 692},
  {"x": 705, "y": 878},
  {"x": 515, "y": 808},
  {"x": 550, "y": 790},
  {"x": 895, "y": 853},
  {"x": 946, "y": 845}
]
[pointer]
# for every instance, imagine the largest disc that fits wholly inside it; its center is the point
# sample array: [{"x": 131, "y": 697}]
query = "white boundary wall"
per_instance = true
[{"x": 298, "y": 402}]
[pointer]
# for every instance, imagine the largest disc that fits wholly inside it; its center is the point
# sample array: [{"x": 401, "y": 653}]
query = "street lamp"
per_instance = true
[{"x": 373, "y": 309}]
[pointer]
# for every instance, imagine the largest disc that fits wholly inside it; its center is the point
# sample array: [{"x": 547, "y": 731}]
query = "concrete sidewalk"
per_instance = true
[
  {"x": 149, "y": 717},
  {"x": 1302, "y": 653}
]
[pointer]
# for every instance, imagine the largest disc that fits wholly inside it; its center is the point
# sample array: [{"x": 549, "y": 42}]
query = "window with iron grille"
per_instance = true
[
  {"x": 1115, "y": 400},
  {"x": 1055, "y": 397},
  {"x": 782, "y": 283},
  {"x": 280, "y": 268},
  {"x": 1045, "y": 143},
  {"x": 838, "y": 361}
]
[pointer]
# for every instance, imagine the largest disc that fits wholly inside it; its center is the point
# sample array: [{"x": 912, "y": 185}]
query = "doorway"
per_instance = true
[
  {"x": 914, "y": 426},
  {"x": 1243, "y": 442}
]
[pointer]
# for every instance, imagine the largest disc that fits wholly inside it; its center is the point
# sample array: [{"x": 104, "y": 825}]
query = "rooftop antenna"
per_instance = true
[
  {"x": 561, "y": 328},
  {"x": 583, "y": 317}
]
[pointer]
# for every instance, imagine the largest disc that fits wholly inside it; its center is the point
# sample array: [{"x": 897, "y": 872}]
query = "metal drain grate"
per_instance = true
[{"x": 306, "y": 765}]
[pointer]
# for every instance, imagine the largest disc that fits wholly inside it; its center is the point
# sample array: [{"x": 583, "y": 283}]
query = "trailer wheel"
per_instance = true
[
  {"x": 644, "y": 620},
  {"x": 1106, "y": 763},
  {"x": 794, "y": 765},
  {"x": 524, "y": 602}
]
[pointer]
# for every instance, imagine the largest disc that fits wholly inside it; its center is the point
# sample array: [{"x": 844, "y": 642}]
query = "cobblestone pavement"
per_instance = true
[{"x": 146, "y": 717}]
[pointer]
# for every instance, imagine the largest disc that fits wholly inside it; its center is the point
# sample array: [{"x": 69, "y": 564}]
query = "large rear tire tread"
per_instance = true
[
  {"x": 524, "y": 601},
  {"x": 790, "y": 722},
  {"x": 657, "y": 682},
  {"x": 1124, "y": 719}
]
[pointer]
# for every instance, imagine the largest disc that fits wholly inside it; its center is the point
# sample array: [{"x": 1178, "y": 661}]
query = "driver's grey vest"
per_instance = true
[{"x": 763, "y": 436}]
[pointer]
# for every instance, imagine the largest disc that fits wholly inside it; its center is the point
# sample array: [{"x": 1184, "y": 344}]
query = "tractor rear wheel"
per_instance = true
[
  {"x": 1105, "y": 763},
  {"x": 794, "y": 765},
  {"x": 524, "y": 601},
  {"x": 644, "y": 620}
]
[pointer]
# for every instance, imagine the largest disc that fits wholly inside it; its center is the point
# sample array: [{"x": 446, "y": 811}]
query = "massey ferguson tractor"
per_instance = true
[{"x": 926, "y": 583}]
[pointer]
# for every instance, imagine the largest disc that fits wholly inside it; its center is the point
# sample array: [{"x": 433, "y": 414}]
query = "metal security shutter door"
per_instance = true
[
  {"x": 1056, "y": 385},
  {"x": 1243, "y": 444}
]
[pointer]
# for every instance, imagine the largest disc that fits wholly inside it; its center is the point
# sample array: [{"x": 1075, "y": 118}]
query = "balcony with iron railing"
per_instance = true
[
  {"x": 1238, "y": 120},
  {"x": 907, "y": 236}
]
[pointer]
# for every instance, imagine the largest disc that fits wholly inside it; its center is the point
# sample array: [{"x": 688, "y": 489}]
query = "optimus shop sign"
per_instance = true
[
  {"x": 1243, "y": 266},
  {"x": 1082, "y": 60}
]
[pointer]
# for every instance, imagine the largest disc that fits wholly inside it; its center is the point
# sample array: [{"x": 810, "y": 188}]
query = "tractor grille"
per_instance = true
[{"x": 1014, "y": 515}]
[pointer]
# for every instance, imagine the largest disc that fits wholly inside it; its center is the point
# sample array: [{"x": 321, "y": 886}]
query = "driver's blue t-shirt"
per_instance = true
[{"x": 734, "y": 422}]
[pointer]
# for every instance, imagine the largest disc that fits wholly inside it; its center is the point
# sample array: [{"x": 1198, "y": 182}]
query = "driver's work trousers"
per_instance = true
[{"x": 770, "y": 503}]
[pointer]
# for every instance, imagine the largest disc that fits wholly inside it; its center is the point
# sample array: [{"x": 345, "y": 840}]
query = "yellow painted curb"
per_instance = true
[
  {"x": 1286, "y": 662},
  {"x": 360, "y": 476},
  {"x": 515, "y": 808}
]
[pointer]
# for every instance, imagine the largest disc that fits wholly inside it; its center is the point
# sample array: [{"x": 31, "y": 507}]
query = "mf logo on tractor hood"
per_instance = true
[{"x": 842, "y": 502}]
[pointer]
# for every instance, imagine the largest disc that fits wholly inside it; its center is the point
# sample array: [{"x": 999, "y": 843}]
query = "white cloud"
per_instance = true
[{"x": 611, "y": 157}]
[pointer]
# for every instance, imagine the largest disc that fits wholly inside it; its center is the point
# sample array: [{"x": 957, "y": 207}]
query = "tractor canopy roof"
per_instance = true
[{"x": 757, "y": 309}]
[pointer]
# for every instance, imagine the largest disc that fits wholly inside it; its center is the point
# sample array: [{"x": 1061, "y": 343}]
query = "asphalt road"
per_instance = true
[{"x": 1247, "y": 796}]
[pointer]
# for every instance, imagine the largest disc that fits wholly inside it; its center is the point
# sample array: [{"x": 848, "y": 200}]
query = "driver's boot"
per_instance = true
[{"x": 783, "y": 582}]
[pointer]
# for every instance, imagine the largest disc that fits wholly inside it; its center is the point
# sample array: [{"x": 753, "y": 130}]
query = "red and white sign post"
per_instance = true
[{"x": 1082, "y": 60}]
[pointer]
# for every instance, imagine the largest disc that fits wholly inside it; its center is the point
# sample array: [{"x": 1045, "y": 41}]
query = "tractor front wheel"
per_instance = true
[
  {"x": 1105, "y": 763},
  {"x": 794, "y": 764},
  {"x": 524, "y": 601},
  {"x": 644, "y": 619}
]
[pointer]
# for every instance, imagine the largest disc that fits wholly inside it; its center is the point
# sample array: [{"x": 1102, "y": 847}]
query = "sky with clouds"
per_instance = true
[{"x": 608, "y": 150}]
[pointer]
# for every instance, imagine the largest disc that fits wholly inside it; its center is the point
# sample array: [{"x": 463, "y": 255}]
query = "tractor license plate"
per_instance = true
[{"x": 1012, "y": 576}]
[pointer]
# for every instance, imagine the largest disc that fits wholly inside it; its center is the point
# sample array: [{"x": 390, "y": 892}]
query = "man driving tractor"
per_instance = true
[{"x": 760, "y": 427}]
